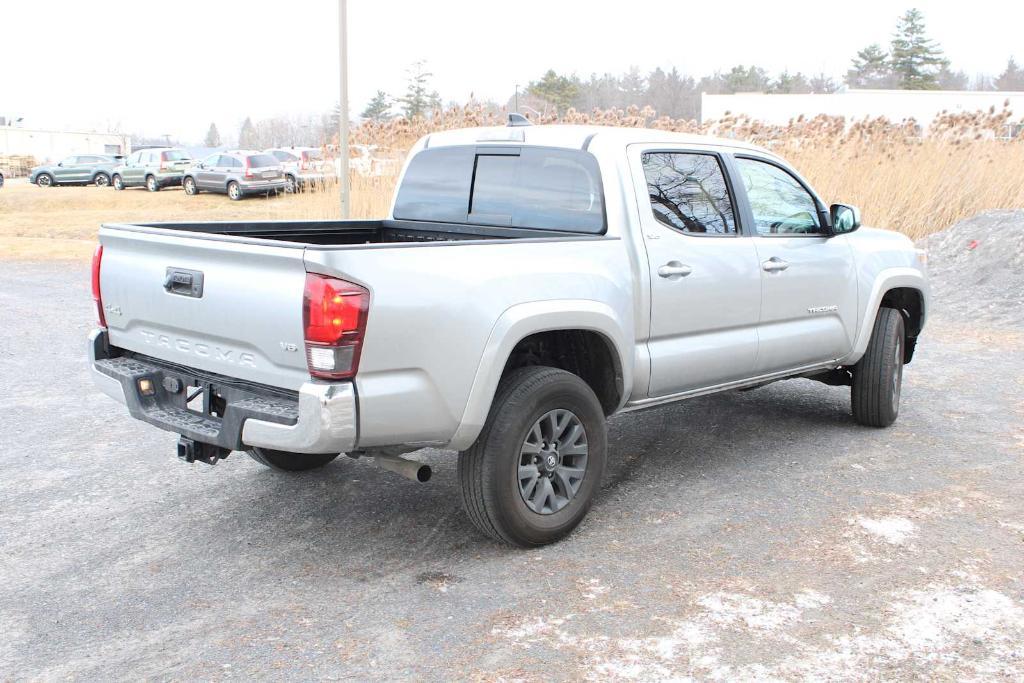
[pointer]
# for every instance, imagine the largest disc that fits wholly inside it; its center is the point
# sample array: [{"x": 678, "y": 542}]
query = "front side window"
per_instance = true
[
  {"x": 780, "y": 203},
  {"x": 688, "y": 192},
  {"x": 212, "y": 161}
]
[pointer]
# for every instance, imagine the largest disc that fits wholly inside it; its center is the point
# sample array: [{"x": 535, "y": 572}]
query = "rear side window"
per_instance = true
[
  {"x": 261, "y": 160},
  {"x": 688, "y": 192},
  {"x": 175, "y": 155},
  {"x": 284, "y": 156},
  {"x": 538, "y": 188}
]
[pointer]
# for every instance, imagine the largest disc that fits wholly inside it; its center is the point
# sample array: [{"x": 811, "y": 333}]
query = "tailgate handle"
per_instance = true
[{"x": 184, "y": 282}]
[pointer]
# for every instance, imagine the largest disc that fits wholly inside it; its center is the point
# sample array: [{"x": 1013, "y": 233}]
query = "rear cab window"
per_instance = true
[
  {"x": 536, "y": 188},
  {"x": 688, "y": 192}
]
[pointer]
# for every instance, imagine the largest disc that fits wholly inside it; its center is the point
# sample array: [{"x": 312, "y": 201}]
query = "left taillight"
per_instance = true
[
  {"x": 334, "y": 320},
  {"x": 97, "y": 259}
]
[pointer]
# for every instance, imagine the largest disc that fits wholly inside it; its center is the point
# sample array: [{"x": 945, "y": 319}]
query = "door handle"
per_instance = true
[
  {"x": 674, "y": 269},
  {"x": 774, "y": 265}
]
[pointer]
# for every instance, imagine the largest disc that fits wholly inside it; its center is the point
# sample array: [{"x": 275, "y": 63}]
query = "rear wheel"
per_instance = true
[
  {"x": 101, "y": 180},
  {"x": 151, "y": 184},
  {"x": 290, "y": 184},
  {"x": 878, "y": 376},
  {"x": 290, "y": 462},
  {"x": 234, "y": 191},
  {"x": 44, "y": 180},
  {"x": 189, "y": 185},
  {"x": 532, "y": 474},
  {"x": 118, "y": 182}
]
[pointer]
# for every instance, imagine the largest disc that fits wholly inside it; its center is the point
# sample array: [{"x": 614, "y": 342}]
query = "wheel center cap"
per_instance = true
[{"x": 551, "y": 461}]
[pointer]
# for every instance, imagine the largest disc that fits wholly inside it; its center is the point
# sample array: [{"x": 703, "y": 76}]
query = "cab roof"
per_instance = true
[{"x": 578, "y": 137}]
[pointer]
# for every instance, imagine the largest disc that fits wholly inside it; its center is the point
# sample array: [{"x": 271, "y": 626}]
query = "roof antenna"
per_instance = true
[{"x": 515, "y": 120}]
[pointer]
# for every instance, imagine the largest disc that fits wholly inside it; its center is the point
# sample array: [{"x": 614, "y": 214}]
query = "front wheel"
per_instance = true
[
  {"x": 533, "y": 472},
  {"x": 878, "y": 376},
  {"x": 284, "y": 461},
  {"x": 151, "y": 184},
  {"x": 118, "y": 182},
  {"x": 44, "y": 180},
  {"x": 189, "y": 185},
  {"x": 291, "y": 186},
  {"x": 234, "y": 191}
]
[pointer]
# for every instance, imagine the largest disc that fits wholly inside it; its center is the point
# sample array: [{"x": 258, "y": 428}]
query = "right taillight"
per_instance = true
[
  {"x": 334, "y": 320},
  {"x": 97, "y": 258}
]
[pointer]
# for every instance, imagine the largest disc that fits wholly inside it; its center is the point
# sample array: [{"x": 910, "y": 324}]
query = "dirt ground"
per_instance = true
[{"x": 747, "y": 536}]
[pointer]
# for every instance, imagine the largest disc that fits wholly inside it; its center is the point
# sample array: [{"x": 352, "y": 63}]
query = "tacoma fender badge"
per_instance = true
[{"x": 817, "y": 310}]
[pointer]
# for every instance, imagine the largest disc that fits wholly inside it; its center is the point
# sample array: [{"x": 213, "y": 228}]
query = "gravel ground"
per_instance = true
[{"x": 743, "y": 536}]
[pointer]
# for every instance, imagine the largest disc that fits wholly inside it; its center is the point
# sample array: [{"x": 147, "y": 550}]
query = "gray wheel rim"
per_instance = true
[
  {"x": 151, "y": 183},
  {"x": 102, "y": 180},
  {"x": 190, "y": 186},
  {"x": 552, "y": 461},
  {"x": 233, "y": 191},
  {"x": 118, "y": 184},
  {"x": 44, "y": 180}
]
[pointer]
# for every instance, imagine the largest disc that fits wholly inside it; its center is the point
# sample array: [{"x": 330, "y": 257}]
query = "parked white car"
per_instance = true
[
  {"x": 303, "y": 166},
  {"x": 528, "y": 283}
]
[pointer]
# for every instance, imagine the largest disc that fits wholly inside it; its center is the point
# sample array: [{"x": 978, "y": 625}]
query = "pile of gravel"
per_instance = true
[{"x": 977, "y": 268}]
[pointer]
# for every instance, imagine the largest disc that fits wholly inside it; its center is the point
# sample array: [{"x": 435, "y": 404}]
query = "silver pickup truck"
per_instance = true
[{"x": 528, "y": 283}]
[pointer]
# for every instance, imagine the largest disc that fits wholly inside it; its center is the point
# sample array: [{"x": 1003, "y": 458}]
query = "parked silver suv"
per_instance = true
[
  {"x": 154, "y": 169},
  {"x": 237, "y": 173},
  {"x": 302, "y": 166}
]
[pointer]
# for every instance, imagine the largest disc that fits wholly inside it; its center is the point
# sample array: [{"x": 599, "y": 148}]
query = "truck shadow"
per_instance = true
[{"x": 367, "y": 523}]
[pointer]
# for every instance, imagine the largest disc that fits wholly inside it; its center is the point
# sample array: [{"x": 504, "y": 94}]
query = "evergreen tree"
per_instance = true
[
  {"x": 1012, "y": 78},
  {"x": 742, "y": 79},
  {"x": 788, "y": 83},
  {"x": 379, "y": 108},
  {"x": 916, "y": 59},
  {"x": 870, "y": 69},
  {"x": 212, "y": 136},
  {"x": 418, "y": 99},
  {"x": 247, "y": 137},
  {"x": 559, "y": 91},
  {"x": 823, "y": 84}
]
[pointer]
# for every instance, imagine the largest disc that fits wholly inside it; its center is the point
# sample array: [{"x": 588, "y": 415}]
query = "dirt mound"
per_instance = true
[{"x": 977, "y": 268}]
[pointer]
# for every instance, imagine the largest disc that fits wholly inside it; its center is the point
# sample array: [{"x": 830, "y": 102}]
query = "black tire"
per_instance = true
[
  {"x": 118, "y": 182},
  {"x": 234, "y": 191},
  {"x": 44, "y": 180},
  {"x": 284, "y": 461},
  {"x": 291, "y": 185},
  {"x": 878, "y": 377},
  {"x": 151, "y": 184},
  {"x": 101, "y": 180},
  {"x": 489, "y": 471},
  {"x": 189, "y": 185}
]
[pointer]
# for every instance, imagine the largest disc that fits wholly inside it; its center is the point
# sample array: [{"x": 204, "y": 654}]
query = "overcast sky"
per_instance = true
[{"x": 157, "y": 68}]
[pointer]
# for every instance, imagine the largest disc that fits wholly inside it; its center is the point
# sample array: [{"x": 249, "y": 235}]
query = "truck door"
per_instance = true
[
  {"x": 705, "y": 281},
  {"x": 809, "y": 282}
]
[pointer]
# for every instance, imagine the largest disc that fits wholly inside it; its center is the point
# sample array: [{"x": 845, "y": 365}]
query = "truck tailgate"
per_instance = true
[{"x": 228, "y": 306}]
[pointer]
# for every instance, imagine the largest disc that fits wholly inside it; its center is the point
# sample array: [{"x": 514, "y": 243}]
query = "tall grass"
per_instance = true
[{"x": 914, "y": 181}]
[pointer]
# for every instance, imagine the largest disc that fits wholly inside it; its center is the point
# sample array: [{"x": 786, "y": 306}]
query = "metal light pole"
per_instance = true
[{"x": 343, "y": 169}]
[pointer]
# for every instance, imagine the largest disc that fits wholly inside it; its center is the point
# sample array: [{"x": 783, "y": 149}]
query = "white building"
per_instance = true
[
  {"x": 895, "y": 105},
  {"x": 54, "y": 145}
]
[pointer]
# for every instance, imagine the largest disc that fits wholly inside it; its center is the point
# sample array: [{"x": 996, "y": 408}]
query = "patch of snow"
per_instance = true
[{"x": 894, "y": 530}]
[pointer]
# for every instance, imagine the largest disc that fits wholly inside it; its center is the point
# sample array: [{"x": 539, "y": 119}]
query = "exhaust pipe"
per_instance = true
[{"x": 410, "y": 469}]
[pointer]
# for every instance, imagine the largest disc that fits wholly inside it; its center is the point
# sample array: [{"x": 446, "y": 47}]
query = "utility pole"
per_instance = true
[{"x": 343, "y": 170}]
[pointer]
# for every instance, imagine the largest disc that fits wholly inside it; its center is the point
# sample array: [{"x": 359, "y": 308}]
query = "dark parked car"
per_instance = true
[
  {"x": 236, "y": 174},
  {"x": 153, "y": 169},
  {"x": 80, "y": 169}
]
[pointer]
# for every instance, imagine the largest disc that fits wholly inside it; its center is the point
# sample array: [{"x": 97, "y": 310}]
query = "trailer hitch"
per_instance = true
[{"x": 191, "y": 450}]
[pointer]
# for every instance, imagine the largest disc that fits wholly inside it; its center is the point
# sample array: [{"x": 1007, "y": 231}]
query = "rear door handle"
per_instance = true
[
  {"x": 774, "y": 265},
  {"x": 674, "y": 269}
]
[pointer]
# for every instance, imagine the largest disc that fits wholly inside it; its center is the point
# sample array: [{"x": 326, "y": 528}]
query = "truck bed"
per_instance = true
[{"x": 353, "y": 232}]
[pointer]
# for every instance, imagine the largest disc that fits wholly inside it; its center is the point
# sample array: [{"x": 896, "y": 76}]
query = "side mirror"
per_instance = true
[
  {"x": 845, "y": 218},
  {"x": 60, "y": 163}
]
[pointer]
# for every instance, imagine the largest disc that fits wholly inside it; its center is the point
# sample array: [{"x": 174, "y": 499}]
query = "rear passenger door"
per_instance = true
[
  {"x": 705, "y": 280},
  {"x": 809, "y": 282}
]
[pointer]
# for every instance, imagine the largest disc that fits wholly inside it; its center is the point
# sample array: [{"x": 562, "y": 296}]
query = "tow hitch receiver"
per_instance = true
[{"x": 191, "y": 450}]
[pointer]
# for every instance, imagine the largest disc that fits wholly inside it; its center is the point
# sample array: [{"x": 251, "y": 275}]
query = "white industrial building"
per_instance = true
[
  {"x": 53, "y": 145},
  {"x": 896, "y": 105}
]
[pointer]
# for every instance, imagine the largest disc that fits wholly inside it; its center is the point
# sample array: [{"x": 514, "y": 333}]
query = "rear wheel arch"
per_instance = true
[{"x": 588, "y": 354}]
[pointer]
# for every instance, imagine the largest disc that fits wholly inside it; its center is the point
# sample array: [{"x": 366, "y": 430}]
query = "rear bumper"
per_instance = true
[
  {"x": 320, "y": 418},
  {"x": 259, "y": 187}
]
